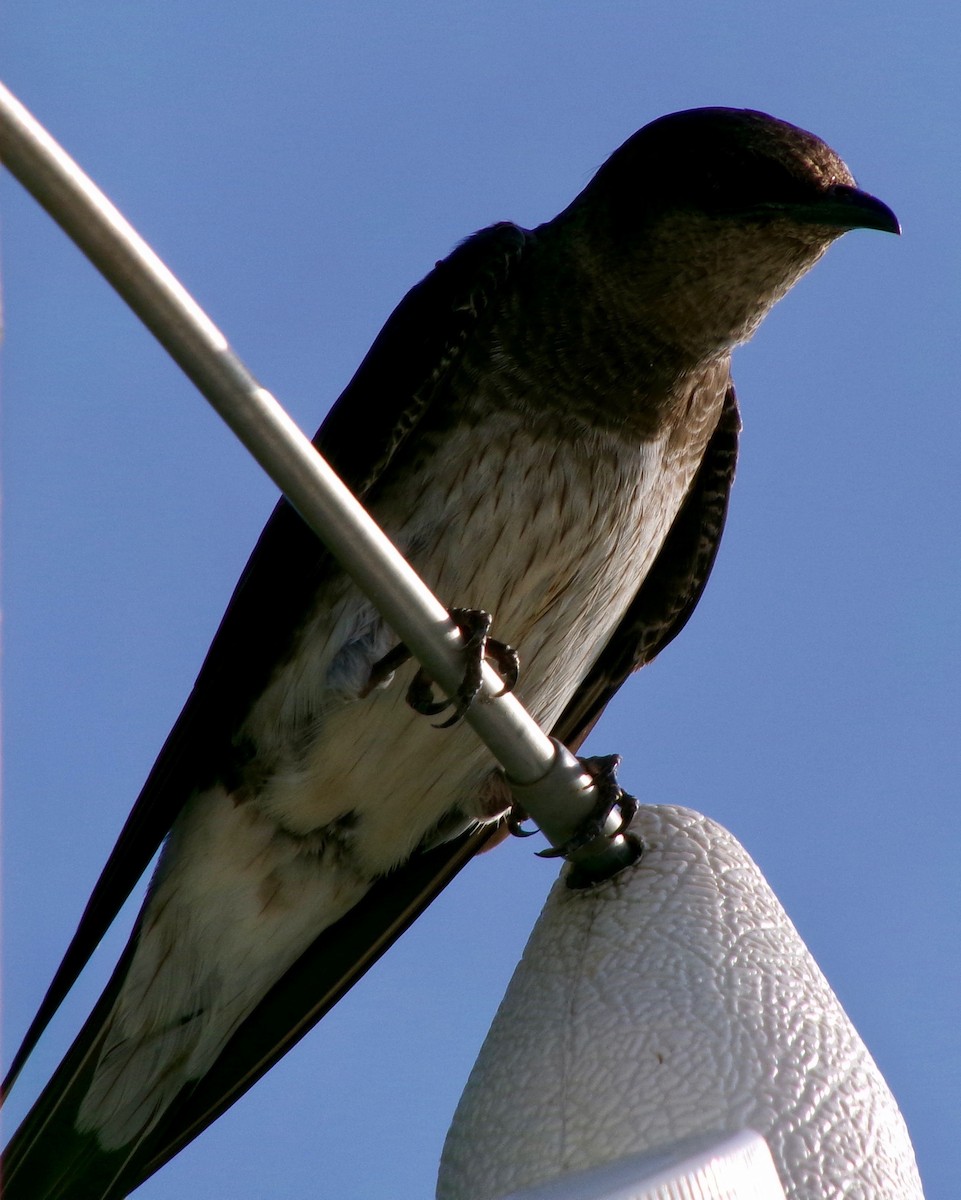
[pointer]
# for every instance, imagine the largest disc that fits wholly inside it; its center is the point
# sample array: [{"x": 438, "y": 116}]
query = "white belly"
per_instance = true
[{"x": 554, "y": 541}]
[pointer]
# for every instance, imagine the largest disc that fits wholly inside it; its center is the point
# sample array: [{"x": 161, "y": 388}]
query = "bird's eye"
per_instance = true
[{"x": 756, "y": 182}]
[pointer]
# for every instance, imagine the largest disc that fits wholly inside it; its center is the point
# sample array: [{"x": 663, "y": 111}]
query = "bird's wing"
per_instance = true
[
  {"x": 344, "y": 952},
  {"x": 383, "y": 403}
]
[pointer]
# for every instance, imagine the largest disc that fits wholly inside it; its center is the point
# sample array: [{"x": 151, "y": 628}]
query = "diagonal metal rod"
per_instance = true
[{"x": 555, "y": 791}]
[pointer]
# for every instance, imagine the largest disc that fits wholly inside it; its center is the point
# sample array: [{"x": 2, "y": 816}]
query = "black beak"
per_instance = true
[
  {"x": 849, "y": 208},
  {"x": 837, "y": 208}
]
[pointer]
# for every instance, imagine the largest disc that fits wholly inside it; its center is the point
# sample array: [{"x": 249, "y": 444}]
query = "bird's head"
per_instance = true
[{"x": 716, "y": 212}]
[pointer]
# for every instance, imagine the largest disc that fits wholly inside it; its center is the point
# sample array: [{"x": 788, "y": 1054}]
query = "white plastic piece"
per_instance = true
[
  {"x": 674, "y": 1000},
  {"x": 732, "y": 1168}
]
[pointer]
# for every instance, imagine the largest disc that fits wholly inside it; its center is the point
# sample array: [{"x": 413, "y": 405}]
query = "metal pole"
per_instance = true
[{"x": 557, "y": 793}]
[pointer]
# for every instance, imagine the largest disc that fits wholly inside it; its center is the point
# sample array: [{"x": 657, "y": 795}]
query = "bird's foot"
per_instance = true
[
  {"x": 475, "y": 625},
  {"x": 611, "y": 797}
]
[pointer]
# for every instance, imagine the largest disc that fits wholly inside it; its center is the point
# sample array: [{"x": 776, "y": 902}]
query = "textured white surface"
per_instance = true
[
  {"x": 730, "y": 1168},
  {"x": 674, "y": 1000}
]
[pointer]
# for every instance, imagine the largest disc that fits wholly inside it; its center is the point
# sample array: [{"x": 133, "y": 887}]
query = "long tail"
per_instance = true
[{"x": 49, "y": 1159}]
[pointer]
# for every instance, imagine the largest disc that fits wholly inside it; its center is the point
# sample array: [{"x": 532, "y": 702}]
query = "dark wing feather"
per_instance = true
[
  {"x": 345, "y": 951},
  {"x": 382, "y": 404}
]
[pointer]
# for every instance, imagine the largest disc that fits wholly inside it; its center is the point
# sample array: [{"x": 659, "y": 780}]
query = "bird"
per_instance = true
[{"x": 547, "y": 428}]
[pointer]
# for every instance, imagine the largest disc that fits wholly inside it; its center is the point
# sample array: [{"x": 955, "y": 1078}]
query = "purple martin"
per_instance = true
[{"x": 547, "y": 428}]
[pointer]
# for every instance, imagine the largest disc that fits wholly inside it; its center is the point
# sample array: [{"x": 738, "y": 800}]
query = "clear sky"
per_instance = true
[{"x": 300, "y": 166}]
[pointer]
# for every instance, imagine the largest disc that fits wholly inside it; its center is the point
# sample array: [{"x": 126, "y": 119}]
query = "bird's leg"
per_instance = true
[
  {"x": 383, "y": 670},
  {"x": 475, "y": 625},
  {"x": 611, "y": 797}
]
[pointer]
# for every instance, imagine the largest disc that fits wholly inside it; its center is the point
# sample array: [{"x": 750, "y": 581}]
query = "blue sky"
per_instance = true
[{"x": 300, "y": 166}]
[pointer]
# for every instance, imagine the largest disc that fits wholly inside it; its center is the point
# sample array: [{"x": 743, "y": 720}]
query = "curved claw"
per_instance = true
[
  {"x": 420, "y": 696},
  {"x": 507, "y": 661},
  {"x": 515, "y": 823},
  {"x": 457, "y": 715},
  {"x": 611, "y": 797}
]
